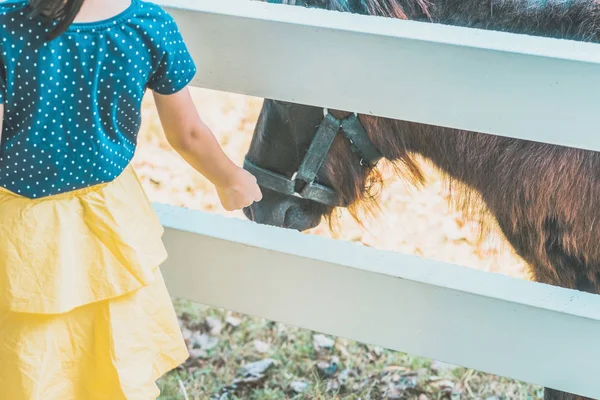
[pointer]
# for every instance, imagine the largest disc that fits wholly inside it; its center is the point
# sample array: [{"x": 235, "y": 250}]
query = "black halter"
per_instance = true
[{"x": 302, "y": 184}]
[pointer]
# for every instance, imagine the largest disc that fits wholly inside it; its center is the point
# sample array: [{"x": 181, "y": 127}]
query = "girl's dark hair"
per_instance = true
[{"x": 61, "y": 12}]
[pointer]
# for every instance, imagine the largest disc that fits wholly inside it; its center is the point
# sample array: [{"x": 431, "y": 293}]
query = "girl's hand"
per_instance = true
[
  {"x": 196, "y": 143},
  {"x": 240, "y": 192}
]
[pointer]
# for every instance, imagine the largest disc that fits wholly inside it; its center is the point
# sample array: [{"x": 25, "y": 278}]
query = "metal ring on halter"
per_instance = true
[{"x": 293, "y": 179}]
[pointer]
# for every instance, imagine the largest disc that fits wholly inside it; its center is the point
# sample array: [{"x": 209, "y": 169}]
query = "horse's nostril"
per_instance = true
[
  {"x": 287, "y": 212},
  {"x": 249, "y": 213},
  {"x": 295, "y": 218}
]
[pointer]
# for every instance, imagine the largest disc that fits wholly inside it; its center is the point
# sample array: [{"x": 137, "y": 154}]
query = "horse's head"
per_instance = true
[{"x": 308, "y": 161}]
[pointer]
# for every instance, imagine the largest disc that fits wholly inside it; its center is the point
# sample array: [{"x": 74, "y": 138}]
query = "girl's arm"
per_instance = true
[{"x": 195, "y": 142}]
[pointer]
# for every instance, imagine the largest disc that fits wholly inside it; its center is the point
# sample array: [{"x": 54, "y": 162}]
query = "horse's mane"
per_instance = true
[{"x": 381, "y": 8}]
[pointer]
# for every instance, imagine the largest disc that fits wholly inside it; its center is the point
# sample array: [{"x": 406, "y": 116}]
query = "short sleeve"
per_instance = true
[{"x": 175, "y": 68}]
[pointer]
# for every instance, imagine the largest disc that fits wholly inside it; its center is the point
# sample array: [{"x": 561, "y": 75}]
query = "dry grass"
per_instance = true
[{"x": 418, "y": 222}]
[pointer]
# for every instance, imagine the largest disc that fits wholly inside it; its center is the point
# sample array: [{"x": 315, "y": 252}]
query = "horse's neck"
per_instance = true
[{"x": 464, "y": 156}]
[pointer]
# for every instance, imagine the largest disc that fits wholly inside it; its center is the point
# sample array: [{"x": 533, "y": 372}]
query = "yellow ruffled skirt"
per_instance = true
[{"x": 84, "y": 311}]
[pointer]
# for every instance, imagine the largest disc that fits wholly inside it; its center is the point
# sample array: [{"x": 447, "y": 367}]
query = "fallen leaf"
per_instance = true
[
  {"x": 409, "y": 380},
  {"x": 444, "y": 386},
  {"x": 452, "y": 230},
  {"x": 261, "y": 346},
  {"x": 249, "y": 381},
  {"x": 258, "y": 368},
  {"x": 204, "y": 341},
  {"x": 187, "y": 334},
  {"x": 233, "y": 321},
  {"x": 394, "y": 393},
  {"x": 345, "y": 375},
  {"x": 299, "y": 386},
  {"x": 214, "y": 325},
  {"x": 438, "y": 366},
  {"x": 328, "y": 369},
  {"x": 322, "y": 342},
  {"x": 395, "y": 368},
  {"x": 198, "y": 353},
  {"x": 377, "y": 350},
  {"x": 333, "y": 386},
  {"x": 341, "y": 348}
]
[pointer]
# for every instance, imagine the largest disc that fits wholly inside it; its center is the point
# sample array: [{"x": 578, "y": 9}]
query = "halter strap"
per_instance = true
[
  {"x": 318, "y": 149},
  {"x": 286, "y": 186},
  {"x": 359, "y": 140},
  {"x": 303, "y": 184}
]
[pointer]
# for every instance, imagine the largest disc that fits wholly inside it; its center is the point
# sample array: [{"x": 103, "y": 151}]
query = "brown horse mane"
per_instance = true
[
  {"x": 381, "y": 8},
  {"x": 408, "y": 165}
]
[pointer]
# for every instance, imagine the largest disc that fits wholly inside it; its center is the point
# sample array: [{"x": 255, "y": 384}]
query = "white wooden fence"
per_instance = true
[{"x": 525, "y": 87}]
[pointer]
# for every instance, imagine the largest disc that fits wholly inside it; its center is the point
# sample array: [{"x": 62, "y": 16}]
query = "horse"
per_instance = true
[{"x": 544, "y": 198}]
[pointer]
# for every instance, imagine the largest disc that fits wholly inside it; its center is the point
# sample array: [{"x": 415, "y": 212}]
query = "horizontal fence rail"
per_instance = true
[
  {"x": 520, "y": 86},
  {"x": 523, "y": 330}
]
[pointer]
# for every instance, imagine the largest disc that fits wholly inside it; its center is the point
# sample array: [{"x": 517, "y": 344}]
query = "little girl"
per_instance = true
[{"x": 84, "y": 312}]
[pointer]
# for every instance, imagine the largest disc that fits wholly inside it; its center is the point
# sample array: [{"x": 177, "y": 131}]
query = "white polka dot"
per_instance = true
[{"x": 90, "y": 80}]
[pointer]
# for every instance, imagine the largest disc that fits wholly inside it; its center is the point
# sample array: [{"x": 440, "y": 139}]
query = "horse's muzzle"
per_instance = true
[{"x": 282, "y": 211}]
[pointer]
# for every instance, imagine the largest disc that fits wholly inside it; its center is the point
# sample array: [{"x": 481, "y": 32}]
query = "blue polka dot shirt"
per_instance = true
[{"x": 72, "y": 106}]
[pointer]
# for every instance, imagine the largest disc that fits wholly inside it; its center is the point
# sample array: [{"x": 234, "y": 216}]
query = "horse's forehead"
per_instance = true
[{"x": 269, "y": 126}]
